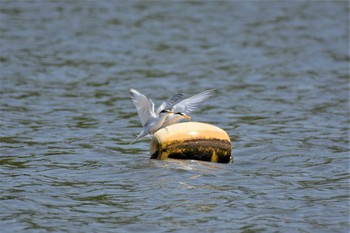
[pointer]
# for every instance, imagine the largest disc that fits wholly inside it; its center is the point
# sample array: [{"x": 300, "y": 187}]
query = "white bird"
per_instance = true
[
  {"x": 181, "y": 109},
  {"x": 151, "y": 121}
]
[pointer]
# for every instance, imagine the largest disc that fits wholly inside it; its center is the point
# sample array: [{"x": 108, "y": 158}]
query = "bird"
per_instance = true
[
  {"x": 169, "y": 112},
  {"x": 181, "y": 109},
  {"x": 151, "y": 121}
]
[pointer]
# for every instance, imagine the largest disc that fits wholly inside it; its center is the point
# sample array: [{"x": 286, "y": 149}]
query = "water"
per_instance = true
[{"x": 281, "y": 70}]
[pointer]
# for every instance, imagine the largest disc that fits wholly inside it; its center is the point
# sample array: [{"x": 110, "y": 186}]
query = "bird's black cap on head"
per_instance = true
[{"x": 165, "y": 111}]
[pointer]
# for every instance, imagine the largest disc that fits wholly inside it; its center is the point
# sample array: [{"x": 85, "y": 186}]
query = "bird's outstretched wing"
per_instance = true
[
  {"x": 188, "y": 105},
  {"x": 144, "y": 106},
  {"x": 169, "y": 103}
]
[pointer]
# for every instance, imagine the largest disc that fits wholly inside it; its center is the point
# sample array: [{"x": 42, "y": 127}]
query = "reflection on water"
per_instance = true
[{"x": 281, "y": 73}]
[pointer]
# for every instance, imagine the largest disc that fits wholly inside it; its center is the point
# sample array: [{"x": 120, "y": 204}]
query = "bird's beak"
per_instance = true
[{"x": 187, "y": 117}]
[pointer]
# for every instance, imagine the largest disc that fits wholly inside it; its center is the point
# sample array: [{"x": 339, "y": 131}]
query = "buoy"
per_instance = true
[{"x": 192, "y": 140}]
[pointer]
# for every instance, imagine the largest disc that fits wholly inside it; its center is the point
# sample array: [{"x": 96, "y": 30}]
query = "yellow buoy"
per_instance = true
[{"x": 192, "y": 140}]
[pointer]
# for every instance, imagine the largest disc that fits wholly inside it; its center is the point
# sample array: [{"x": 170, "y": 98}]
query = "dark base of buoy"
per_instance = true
[{"x": 211, "y": 150}]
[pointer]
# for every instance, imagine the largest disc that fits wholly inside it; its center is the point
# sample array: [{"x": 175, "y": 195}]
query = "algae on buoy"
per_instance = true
[{"x": 192, "y": 140}]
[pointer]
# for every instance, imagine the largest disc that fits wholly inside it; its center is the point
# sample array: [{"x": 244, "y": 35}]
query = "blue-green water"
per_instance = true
[{"x": 281, "y": 70}]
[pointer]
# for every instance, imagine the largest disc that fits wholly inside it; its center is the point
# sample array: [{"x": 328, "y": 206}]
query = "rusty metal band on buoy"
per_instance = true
[{"x": 192, "y": 140}]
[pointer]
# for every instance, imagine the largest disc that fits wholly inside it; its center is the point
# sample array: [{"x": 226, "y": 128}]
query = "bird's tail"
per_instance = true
[{"x": 141, "y": 135}]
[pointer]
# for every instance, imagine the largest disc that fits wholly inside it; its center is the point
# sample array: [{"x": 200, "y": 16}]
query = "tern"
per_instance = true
[
  {"x": 151, "y": 121},
  {"x": 154, "y": 120},
  {"x": 181, "y": 109}
]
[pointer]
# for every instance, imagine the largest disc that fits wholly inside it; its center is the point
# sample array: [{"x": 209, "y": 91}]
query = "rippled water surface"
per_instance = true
[{"x": 281, "y": 70}]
